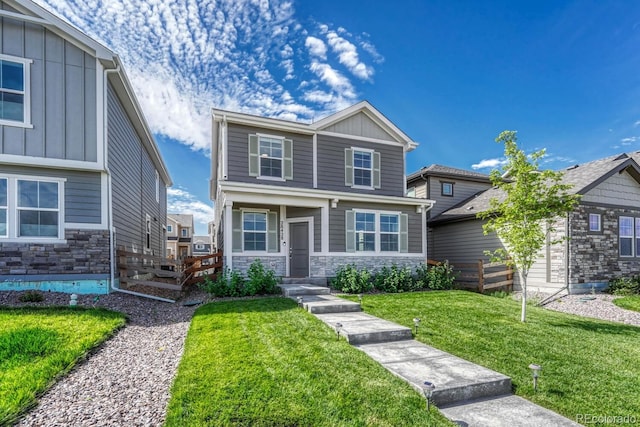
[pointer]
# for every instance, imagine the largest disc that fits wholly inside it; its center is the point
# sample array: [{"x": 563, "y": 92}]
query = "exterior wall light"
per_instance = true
[
  {"x": 299, "y": 301},
  {"x": 360, "y": 299}
]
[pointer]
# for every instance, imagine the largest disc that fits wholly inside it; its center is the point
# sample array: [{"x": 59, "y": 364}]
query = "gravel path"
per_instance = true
[
  {"x": 126, "y": 381},
  {"x": 601, "y": 307}
]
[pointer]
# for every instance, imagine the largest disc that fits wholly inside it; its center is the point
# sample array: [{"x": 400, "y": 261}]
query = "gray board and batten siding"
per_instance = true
[
  {"x": 133, "y": 180},
  {"x": 82, "y": 191},
  {"x": 360, "y": 125},
  {"x": 331, "y": 165},
  {"x": 337, "y": 234},
  {"x": 238, "y": 156},
  {"x": 62, "y": 95}
]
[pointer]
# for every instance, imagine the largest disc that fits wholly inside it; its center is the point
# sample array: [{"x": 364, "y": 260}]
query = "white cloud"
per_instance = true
[
  {"x": 489, "y": 163},
  {"x": 637, "y": 123},
  {"x": 179, "y": 200},
  {"x": 629, "y": 140},
  {"x": 186, "y": 56},
  {"x": 348, "y": 55},
  {"x": 316, "y": 47}
]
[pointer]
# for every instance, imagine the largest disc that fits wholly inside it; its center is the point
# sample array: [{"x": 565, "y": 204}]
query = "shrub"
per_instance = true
[
  {"x": 625, "y": 285},
  {"x": 351, "y": 280},
  {"x": 437, "y": 277},
  {"x": 260, "y": 280},
  {"x": 395, "y": 279},
  {"x": 31, "y": 296},
  {"x": 227, "y": 283}
]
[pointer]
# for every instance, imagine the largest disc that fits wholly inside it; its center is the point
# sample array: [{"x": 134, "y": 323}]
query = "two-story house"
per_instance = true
[
  {"x": 80, "y": 173},
  {"x": 306, "y": 199},
  {"x": 179, "y": 235},
  {"x": 201, "y": 246}
]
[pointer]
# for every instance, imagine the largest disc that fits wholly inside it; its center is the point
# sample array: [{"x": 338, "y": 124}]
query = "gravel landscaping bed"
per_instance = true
[
  {"x": 126, "y": 381},
  {"x": 601, "y": 307}
]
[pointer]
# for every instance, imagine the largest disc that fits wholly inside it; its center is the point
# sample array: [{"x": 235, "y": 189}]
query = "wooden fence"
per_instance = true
[
  {"x": 164, "y": 273},
  {"x": 481, "y": 276}
]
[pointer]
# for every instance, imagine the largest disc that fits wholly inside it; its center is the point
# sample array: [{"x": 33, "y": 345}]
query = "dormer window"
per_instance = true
[
  {"x": 270, "y": 157},
  {"x": 14, "y": 91}
]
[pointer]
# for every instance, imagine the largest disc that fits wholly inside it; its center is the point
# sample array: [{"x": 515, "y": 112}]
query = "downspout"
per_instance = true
[{"x": 112, "y": 263}]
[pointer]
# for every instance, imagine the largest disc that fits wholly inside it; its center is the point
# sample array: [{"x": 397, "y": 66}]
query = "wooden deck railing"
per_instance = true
[{"x": 480, "y": 275}]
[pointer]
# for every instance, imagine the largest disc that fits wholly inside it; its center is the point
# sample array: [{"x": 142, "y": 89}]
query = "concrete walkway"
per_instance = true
[{"x": 466, "y": 393}]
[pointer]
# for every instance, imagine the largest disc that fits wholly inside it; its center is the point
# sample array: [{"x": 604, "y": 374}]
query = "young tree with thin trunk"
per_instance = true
[{"x": 532, "y": 200}]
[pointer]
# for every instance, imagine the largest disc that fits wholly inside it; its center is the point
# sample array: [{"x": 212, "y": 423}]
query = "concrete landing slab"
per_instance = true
[
  {"x": 361, "y": 328},
  {"x": 297, "y": 289},
  {"x": 319, "y": 304},
  {"x": 504, "y": 411},
  {"x": 455, "y": 379}
]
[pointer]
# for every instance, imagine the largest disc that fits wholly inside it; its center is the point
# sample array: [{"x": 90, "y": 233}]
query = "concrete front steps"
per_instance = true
[{"x": 361, "y": 328}]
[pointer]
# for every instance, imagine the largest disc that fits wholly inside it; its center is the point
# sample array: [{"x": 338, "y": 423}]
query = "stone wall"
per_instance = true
[
  {"x": 275, "y": 263},
  {"x": 594, "y": 256},
  {"x": 326, "y": 266},
  {"x": 85, "y": 252}
]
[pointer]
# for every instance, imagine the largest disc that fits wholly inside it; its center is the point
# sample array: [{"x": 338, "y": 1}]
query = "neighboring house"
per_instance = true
[
  {"x": 179, "y": 235},
  {"x": 201, "y": 246},
  {"x": 603, "y": 231},
  {"x": 80, "y": 173},
  {"x": 308, "y": 198}
]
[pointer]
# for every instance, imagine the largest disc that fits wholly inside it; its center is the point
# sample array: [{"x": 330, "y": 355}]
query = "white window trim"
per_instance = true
[
  {"x": 157, "y": 187},
  {"x": 199, "y": 246},
  {"x": 397, "y": 233},
  {"x": 169, "y": 228},
  {"x": 184, "y": 232},
  {"x": 269, "y": 177},
  {"x": 266, "y": 231},
  {"x": 353, "y": 168},
  {"x": 377, "y": 231},
  {"x": 632, "y": 237},
  {"x": 26, "y": 62},
  {"x": 12, "y": 209},
  {"x": 147, "y": 230}
]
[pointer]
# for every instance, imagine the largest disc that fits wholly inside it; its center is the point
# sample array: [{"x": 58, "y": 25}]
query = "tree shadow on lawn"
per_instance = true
[{"x": 598, "y": 326}]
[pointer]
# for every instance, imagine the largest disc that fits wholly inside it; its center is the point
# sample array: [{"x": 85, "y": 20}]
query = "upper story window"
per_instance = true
[
  {"x": 170, "y": 228},
  {"x": 270, "y": 157},
  {"x": 446, "y": 189},
  {"x": 185, "y": 232},
  {"x": 411, "y": 192},
  {"x": 14, "y": 91},
  {"x": 362, "y": 168}
]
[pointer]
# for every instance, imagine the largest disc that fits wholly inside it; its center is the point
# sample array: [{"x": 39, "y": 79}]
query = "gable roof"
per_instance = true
[
  {"x": 448, "y": 172},
  {"x": 582, "y": 177},
  {"x": 363, "y": 107},
  {"x": 184, "y": 220},
  {"x": 28, "y": 11}
]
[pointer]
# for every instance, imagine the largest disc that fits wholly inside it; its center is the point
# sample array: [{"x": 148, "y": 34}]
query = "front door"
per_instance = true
[{"x": 299, "y": 249}]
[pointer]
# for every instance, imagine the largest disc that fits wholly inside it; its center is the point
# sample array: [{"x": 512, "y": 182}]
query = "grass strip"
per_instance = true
[
  {"x": 628, "y": 303},
  {"x": 265, "y": 362},
  {"x": 588, "y": 366},
  {"x": 38, "y": 345}
]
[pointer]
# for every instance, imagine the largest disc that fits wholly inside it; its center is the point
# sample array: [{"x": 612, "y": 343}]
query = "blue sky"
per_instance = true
[{"x": 450, "y": 74}]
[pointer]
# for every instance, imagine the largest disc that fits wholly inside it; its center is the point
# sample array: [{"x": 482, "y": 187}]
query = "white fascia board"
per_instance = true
[
  {"x": 262, "y": 122},
  {"x": 234, "y": 190},
  {"x": 375, "y": 115},
  {"x": 31, "y": 161}
]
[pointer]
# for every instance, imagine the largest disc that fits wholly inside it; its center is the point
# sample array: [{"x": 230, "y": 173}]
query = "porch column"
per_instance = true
[
  {"x": 228, "y": 235},
  {"x": 324, "y": 235}
]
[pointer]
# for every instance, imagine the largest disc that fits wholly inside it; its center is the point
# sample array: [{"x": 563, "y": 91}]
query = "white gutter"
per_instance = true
[{"x": 112, "y": 263}]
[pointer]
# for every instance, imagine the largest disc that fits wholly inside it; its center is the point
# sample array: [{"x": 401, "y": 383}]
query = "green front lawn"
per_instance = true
[
  {"x": 629, "y": 303},
  {"x": 588, "y": 366},
  {"x": 266, "y": 362},
  {"x": 37, "y": 345}
]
